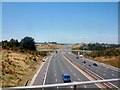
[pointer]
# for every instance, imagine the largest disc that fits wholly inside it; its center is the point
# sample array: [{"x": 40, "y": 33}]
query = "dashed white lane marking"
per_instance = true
[
  {"x": 31, "y": 83},
  {"x": 56, "y": 79},
  {"x": 79, "y": 69},
  {"x": 57, "y": 87},
  {"x": 105, "y": 68},
  {"x": 104, "y": 74},
  {"x": 71, "y": 86},
  {"x": 85, "y": 86},
  {"x": 47, "y": 70},
  {"x": 55, "y": 74},
  {"x": 104, "y": 71},
  {"x": 113, "y": 74},
  {"x": 74, "y": 74},
  {"x": 96, "y": 70},
  {"x": 78, "y": 79}
]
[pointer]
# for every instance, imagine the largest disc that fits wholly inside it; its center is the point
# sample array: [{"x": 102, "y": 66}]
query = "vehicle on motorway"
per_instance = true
[
  {"x": 84, "y": 62},
  {"x": 94, "y": 64},
  {"x": 81, "y": 56},
  {"x": 77, "y": 57},
  {"x": 66, "y": 78}
]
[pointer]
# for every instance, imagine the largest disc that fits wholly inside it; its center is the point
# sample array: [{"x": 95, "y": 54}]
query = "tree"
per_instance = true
[
  {"x": 28, "y": 43},
  {"x": 13, "y": 43},
  {"x": 5, "y": 44}
]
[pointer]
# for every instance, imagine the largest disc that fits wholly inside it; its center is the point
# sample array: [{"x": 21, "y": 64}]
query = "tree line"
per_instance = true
[
  {"x": 27, "y": 44},
  {"x": 98, "y": 46},
  {"x": 98, "y": 49},
  {"x": 107, "y": 52},
  {"x": 102, "y": 49}
]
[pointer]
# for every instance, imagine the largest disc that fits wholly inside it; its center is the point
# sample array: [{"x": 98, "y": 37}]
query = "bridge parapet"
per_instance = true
[{"x": 75, "y": 84}]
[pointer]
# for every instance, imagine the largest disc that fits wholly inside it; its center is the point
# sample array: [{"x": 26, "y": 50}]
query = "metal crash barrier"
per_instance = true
[{"x": 74, "y": 84}]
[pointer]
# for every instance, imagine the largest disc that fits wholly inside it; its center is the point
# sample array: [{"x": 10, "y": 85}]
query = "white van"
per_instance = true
[{"x": 81, "y": 56}]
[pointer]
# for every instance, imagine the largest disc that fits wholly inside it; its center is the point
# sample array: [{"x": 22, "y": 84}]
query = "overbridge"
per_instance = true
[{"x": 74, "y": 84}]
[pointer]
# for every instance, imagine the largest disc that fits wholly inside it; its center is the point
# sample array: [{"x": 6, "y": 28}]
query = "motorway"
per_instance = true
[{"x": 65, "y": 62}]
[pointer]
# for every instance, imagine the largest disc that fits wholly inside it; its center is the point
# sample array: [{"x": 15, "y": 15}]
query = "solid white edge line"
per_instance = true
[
  {"x": 93, "y": 73},
  {"x": 47, "y": 69},
  {"x": 104, "y": 65},
  {"x": 34, "y": 77},
  {"x": 82, "y": 72}
]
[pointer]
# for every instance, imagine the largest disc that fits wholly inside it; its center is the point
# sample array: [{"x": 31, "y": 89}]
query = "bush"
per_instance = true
[{"x": 43, "y": 53}]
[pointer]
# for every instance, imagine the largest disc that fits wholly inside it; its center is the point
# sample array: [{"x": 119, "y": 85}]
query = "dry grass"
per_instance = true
[
  {"x": 48, "y": 46},
  {"x": 111, "y": 60},
  {"x": 18, "y": 68},
  {"x": 76, "y": 46}
]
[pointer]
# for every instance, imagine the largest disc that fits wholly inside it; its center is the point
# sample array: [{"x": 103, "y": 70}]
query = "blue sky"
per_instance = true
[{"x": 64, "y": 22}]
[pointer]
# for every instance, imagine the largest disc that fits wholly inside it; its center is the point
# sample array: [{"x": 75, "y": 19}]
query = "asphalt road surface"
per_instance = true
[
  {"x": 57, "y": 64},
  {"x": 62, "y": 62}
]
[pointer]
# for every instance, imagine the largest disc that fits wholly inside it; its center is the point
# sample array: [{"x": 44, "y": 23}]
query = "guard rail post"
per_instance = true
[{"x": 74, "y": 88}]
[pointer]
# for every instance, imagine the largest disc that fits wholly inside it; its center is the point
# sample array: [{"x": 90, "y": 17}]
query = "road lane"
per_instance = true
[
  {"x": 58, "y": 66},
  {"x": 39, "y": 80},
  {"x": 78, "y": 76},
  {"x": 100, "y": 70},
  {"x": 40, "y": 77}
]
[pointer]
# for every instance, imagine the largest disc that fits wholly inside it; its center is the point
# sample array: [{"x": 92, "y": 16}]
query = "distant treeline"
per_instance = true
[
  {"x": 98, "y": 46},
  {"x": 107, "y": 52},
  {"x": 102, "y": 49},
  {"x": 27, "y": 44},
  {"x": 50, "y": 42}
]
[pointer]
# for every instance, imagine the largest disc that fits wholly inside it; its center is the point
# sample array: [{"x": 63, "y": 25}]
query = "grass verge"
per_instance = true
[{"x": 18, "y": 68}]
